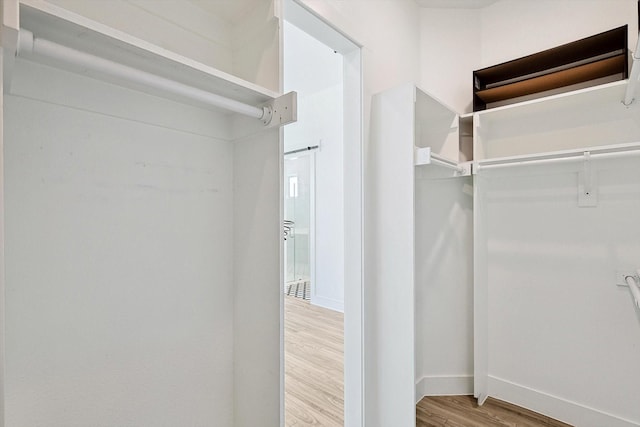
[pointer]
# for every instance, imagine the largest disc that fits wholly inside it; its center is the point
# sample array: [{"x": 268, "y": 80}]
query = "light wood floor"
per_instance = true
[
  {"x": 463, "y": 411},
  {"x": 314, "y": 388},
  {"x": 314, "y": 348}
]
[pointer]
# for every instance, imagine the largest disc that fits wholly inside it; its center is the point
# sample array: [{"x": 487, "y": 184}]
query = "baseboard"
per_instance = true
[
  {"x": 329, "y": 303},
  {"x": 451, "y": 385},
  {"x": 555, "y": 407}
]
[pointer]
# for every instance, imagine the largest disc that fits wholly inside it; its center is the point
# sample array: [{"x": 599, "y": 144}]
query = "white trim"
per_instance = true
[
  {"x": 444, "y": 385},
  {"x": 2, "y": 266},
  {"x": 330, "y": 303},
  {"x": 303, "y": 17},
  {"x": 353, "y": 296},
  {"x": 556, "y": 407},
  {"x": 312, "y": 221},
  {"x": 354, "y": 194}
]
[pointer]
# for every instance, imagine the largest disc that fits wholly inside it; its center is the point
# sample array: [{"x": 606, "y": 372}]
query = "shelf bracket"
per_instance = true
[
  {"x": 10, "y": 28},
  {"x": 424, "y": 156},
  {"x": 632, "y": 82},
  {"x": 281, "y": 111},
  {"x": 587, "y": 191}
]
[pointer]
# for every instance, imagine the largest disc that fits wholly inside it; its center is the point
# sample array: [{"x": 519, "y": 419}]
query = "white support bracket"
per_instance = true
[
  {"x": 424, "y": 156},
  {"x": 421, "y": 156},
  {"x": 9, "y": 36},
  {"x": 281, "y": 111},
  {"x": 629, "y": 97},
  {"x": 587, "y": 190}
]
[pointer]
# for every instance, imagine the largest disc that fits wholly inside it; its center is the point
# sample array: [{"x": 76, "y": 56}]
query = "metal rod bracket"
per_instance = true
[
  {"x": 621, "y": 277},
  {"x": 281, "y": 111},
  {"x": 587, "y": 191}
]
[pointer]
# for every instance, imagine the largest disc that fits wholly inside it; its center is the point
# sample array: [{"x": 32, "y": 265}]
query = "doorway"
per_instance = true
[
  {"x": 323, "y": 172},
  {"x": 299, "y": 222}
]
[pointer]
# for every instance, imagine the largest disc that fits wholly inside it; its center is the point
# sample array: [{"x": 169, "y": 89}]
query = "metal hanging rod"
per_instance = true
[
  {"x": 31, "y": 47},
  {"x": 301, "y": 150},
  {"x": 571, "y": 158},
  {"x": 632, "y": 282},
  {"x": 446, "y": 163}
]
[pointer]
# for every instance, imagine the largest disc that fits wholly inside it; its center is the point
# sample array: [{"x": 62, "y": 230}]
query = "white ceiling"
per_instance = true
[
  {"x": 229, "y": 10},
  {"x": 455, "y": 4}
]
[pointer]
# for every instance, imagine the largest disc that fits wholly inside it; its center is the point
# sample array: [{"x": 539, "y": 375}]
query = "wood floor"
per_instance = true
[
  {"x": 463, "y": 411},
  {"x": 314, "y": 348},
  {"x": 314, "y": 386}
]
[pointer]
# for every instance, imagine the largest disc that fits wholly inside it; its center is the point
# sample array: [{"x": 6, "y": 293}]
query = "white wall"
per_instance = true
[
  {"x": 511, "y": 29},
  {"x": 257, "y": 243},
  {"x": 444, "y": 285},
  {"x": 156, "y": 236},
  {"x": 181, "y": 27},
  {"x": 563, "y": 338},
  {"x": 450, "y": 51},
  {"x": 119, "y": 308},
  {"x": 454, "y": 42},
  {"x": 316, "y": 73},
  {"x": 388, "y": 31}
]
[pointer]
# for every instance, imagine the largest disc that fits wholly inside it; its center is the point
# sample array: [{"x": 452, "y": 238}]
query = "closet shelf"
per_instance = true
[
  {"x": 577, "y": 100},
  {"x": 595, "y": 70},
  {"x": 590, "y": 119},
  {"x": 74, "y": 33},
  {"x": 603, "y": 55}
]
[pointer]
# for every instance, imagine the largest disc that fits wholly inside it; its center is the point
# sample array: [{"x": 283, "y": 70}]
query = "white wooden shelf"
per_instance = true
[
  {"x": 77, "y": 32},
  {"x": 591, "y": 117}
]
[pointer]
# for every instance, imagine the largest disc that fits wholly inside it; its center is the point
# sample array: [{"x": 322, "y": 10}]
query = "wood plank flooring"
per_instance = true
[
  {"x": 463, "y": 411},
  {"x": 314, "y": 389},
  {"x": 314, "y": 348}
]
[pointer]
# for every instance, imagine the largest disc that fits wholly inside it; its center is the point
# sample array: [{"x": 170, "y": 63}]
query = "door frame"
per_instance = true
[{"x": 297, "y": 13}]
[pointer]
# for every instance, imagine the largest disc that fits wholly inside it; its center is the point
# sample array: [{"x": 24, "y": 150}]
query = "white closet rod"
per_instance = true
[
  {"x": 578, "y": 157},
  {"x": 633, "y": 77},
  {"x": 33, "y": 47},
  {"x": 446, "y": 164},
  {"x": 633, "y": 287}
]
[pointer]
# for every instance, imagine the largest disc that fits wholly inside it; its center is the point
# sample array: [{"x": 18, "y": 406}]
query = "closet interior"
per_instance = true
[
  {"x": 142, "y": 213},
  {"x": 520, "y": 221}
]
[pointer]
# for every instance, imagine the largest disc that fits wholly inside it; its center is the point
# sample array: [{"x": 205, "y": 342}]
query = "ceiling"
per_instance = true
[
  {"x": 231, "y": 11},
  {"x": 455, "y": 4}
]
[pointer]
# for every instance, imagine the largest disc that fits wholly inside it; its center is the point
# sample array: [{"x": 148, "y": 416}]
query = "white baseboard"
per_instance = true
[
  {"x": 329, "y": 303},
  {"x": 555, "y": 407},
  {"x": 451, "y": 385}
]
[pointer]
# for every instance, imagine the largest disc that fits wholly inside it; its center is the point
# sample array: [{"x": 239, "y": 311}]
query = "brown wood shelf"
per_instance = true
[
  {"x": 579, "y": 74},
  {"x": 589, "y": 59}
]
